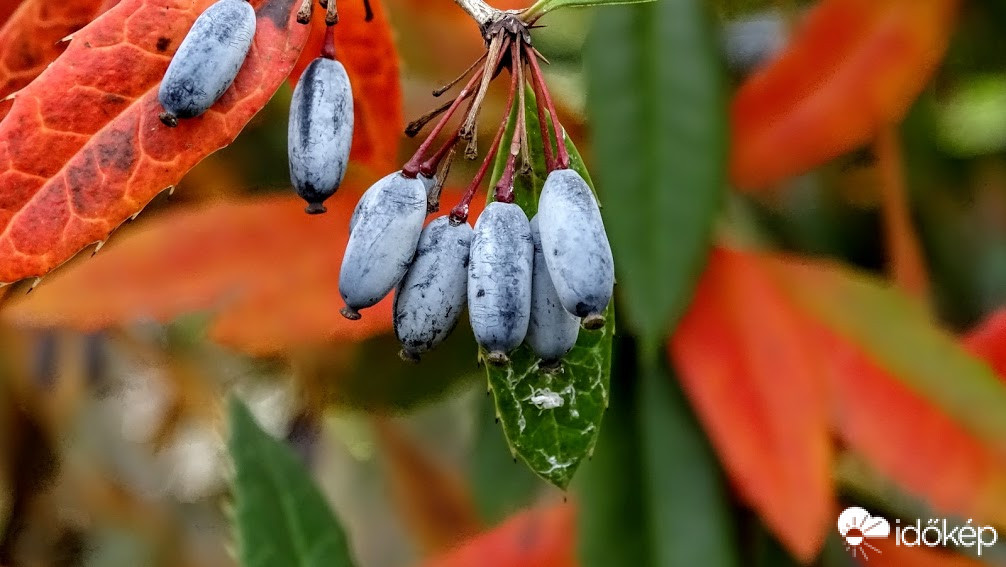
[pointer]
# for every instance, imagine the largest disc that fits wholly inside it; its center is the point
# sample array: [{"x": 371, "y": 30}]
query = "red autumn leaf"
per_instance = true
[
  {"x": 744, "y": 361},
  {"x": 852, "y": 67},
  {"x": 82, "y": 148},
  {"x": 891, "y": 555},
  {"x": 988, "y": 342},
  {"x": 367, "y": 50},
  {"x": 900, "y": 392},
  {"x": 541, "y": 537},
  {"x": 7, "y": 7},
  {"x": 268, "y": 271},
  {"x": 31, "y": 39}
]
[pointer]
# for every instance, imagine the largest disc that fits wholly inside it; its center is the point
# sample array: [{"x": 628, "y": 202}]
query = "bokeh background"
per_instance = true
[{"x": 115, "y": 370}]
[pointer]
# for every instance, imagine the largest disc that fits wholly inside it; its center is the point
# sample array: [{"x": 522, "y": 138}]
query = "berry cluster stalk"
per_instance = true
[{"x": 508, "y": 44}]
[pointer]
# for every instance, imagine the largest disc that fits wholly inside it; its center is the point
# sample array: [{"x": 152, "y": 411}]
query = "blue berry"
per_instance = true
[
  {"x": 320, "y": 131},
  {"x": 207, "y": 61}
]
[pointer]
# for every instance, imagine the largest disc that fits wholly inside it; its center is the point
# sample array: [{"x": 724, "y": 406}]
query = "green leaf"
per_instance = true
[
  {"x": 500, "y": 486},
  {"x": 658, "y": 112},
  {"x": 689, "y": 514},
  {"x": 552, "y": 441},
  {"x": 280, "y": 517},
  {"x": 612, "y": 522},
  {"x": 654, "y": 493},
  {"x": 542, "y": 7}
]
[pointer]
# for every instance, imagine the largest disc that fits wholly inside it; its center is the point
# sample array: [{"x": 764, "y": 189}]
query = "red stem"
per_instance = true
[
  {"x": 459, "y": 213},
  {"x": 560, "y": 142},
  {"x": 546, "y": 138},
  {"x": 504, "y": 187},
  {"x": 328, "y": 47},
  {"x": 430, "y": 166},
  {"x": 412, "y": 167}
]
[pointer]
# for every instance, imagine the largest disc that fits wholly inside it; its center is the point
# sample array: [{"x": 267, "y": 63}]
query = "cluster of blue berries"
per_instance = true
[{"x": 534, "y": 281}]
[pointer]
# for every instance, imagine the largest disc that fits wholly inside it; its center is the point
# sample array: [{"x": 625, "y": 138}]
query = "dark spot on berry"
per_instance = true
[
  {"x": 163, "y": 43},
  {"x": 481, "y": 293}
]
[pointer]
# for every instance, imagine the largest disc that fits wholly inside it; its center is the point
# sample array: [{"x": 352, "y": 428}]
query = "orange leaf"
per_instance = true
[
  {"x": 367, "y": 49},
  {"x": 82, "y": 148},
  {"x": 895, "y": 556},
  {"x": 852, "y": 67},
  {"x": 268, "y": 271},
  {"x": 542, "y": 537},
  {"x": 31, "y": 39},
  {"x": 745, "y": 363},
  {"x": 433, "y": 499},
  {"x": 765, "y": 330},
  {"x": 988, "y": 342}
]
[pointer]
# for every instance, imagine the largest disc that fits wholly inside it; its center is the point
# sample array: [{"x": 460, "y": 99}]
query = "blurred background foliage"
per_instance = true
[{"x": 111, "y": 442}]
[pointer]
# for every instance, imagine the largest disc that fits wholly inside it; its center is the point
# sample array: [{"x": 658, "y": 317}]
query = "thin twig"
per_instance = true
[
  {"x": 903, "y": 250},
  {"x": 460, "y": 77}
]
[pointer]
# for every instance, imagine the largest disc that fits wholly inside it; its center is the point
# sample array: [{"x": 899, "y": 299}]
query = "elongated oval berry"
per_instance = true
[
  {"x": 499, "y": 279},
  {"x": 384, "y": 232},
  {"x": 552, "y": 330},
  {"x": 320, "y": 131},
  {"x": 576, "y": 246},
  {"x": 432, "y": 294},
  {"x": 207, "y": 60}
]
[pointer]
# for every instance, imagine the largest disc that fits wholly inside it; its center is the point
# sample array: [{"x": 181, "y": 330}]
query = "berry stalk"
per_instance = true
[
  {"x": 459, "y": 213},
  {"x": 562, "y": 161},
  {"x": 411, "y": 168},
  {"x": 504, "y": 187}
]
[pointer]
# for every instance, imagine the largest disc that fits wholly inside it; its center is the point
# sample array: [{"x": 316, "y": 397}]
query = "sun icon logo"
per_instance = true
[{"x": 857, "y": 526}]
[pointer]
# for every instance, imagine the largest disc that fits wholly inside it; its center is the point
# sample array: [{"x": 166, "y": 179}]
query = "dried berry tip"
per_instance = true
[
  {"x": 315, "y": 209},
  {"x": 407, "y": 356},
  {"x": 168, "y": 119},
  {"x": 593, "y": 322},
  {"x": 305, "y": 11},
  {"x": 498, "y": 358},
  {"x": 552, "y": 367},
  {"x": 350, "y": 313}
]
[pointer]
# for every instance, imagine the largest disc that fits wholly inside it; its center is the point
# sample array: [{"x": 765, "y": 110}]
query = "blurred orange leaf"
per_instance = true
[
  {"x": 852, "y": 67},
  {"x": 268, "y": 272},
  {"x": 31, "y": 39},
  {"x": 905, "y": 394},
  {"x": 82, "y": 148},
  {"x": 434, "y": 500},
  {"x": 744, "y": 360},
  {"x": 902, "y": 393},
  {"x": 541, "y": 537},
  {"x": 367, "y": 50}
]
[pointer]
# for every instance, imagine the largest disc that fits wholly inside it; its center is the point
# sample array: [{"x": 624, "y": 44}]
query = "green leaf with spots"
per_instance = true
[
  {"x": 280, "y": 517},
  {"x": 551, "y": 419}
]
